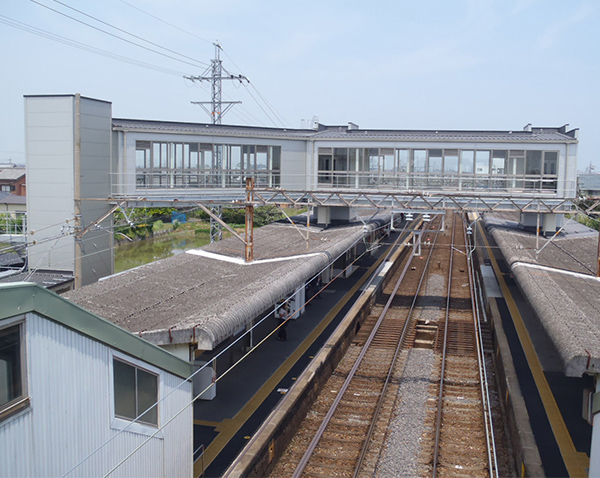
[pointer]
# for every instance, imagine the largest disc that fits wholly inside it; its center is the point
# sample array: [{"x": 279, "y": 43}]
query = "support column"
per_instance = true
[
  {"x": 249, "y": 219},
  {"x": 598, "y": 270},
  {"x": 216, "y": 229},
  {"x": 594, "y": 469}
]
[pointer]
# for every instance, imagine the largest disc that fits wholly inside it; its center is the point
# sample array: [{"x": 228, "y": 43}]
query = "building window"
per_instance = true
[
  {"x": 13, "y": 382},
  {"x": 136, "y": 391}
]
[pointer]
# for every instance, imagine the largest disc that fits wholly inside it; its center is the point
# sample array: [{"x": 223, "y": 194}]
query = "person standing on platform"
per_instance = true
[{"x": 283, "y": 316}]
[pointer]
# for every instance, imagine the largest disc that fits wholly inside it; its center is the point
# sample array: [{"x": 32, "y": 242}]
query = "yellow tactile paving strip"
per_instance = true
[
  {"x": 229, "y": 427},
  {"x": 576, "y": 462}
]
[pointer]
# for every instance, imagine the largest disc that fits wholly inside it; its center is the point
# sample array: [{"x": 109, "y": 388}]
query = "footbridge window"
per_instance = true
[
  {"x": 438, "y": 169},
  {"x": 205, "y": 165}
]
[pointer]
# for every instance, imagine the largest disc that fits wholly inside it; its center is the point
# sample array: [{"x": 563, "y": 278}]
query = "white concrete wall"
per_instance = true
[
  {"x": 71, "y": 414},
  {"x": 67, "y": 142},
  {"x": 49, "y": 152},
  {"x": 95, "y": 118},
  {"x": 293, "y": 165}
]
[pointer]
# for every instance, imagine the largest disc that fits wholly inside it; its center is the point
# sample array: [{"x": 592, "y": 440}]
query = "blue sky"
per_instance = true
[{"x": 432, "y": 64}]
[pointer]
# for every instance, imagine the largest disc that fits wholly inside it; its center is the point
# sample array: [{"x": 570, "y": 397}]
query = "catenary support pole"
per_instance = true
[{"x": 249, "y": 219}]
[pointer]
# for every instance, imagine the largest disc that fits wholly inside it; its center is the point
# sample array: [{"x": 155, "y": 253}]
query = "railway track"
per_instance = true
[{"x": 367, "y": 416}]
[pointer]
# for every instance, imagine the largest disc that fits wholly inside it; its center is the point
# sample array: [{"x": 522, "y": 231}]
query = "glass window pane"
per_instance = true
[
  {"x": 208, "y": 159},
  {"x": 435, "y": 160},
  {"x": 178, "y": 156},
  {"x": 499, "y": 161},
  {"x": 374, "y": 159},
  {"x": 419, "y": 158},
  {"x": 325, "y": 162},
  {"x": 482, "y": 162},
  {"x": 140, "y": 158},
  {"x": 124, "y": 386},
  {"x": 195, "y": 160},
  {"x": 186, "y": 156},
  {"x": 516, "y": 166},
  {"x": 156, "y": 155},
  {"x": 550, "y": 162},
  {"x": 236, "y": 157},
  {"x": 353, "y": 159},
  {"x": 164, "y": 155},
  {"x": 466, "y": 161},
  {"x": 261, "y": 161},
  {"x": 11, "y": 382},
  {"x": 276, "y": 158},
  {"x": 388, "y": 162},
  {"x": 533, "y": 163},
  {"x": 451, "y": 164},
  {"x": 340, "y": 159},
  {"x": 147, "y": 384},
  {"x": 402, "y": 160}
]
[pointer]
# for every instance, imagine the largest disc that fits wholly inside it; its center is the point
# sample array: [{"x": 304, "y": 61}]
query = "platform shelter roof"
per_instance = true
[
  {"x": 560, "y": 283},
  {"x": 208, "y": 295}
]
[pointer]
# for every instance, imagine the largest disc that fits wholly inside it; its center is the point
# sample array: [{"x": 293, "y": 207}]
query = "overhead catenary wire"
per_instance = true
[
  {"x": 165, "y": 22},
  {"x": 129, "y": 33},
  {"x": 277, "y": 115},
  {"x": 82, "y": 46},
  {"x": 195, "y": 63}
]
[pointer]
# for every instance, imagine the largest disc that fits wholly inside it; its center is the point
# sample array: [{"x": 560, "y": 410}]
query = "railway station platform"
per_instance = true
[
  {"x": 546, "y": 335},
  {"x": 250, "y": 391}
]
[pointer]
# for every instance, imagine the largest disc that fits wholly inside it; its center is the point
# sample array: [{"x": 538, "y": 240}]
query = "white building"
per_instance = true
[
  {"x": 71, "y": 386},
  {"x": 99, "y": 161}
]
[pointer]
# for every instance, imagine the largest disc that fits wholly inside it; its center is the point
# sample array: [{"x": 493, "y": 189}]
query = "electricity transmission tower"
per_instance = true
[{"x": 215, "y": 74}]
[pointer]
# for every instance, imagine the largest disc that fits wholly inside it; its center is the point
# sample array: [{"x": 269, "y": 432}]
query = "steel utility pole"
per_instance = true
[{"x": 215, "y": 74}]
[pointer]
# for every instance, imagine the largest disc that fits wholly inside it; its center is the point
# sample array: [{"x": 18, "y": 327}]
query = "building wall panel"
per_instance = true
[{"x": 70, "y": 414}]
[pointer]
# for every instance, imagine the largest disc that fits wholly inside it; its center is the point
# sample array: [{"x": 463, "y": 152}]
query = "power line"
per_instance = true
[
  {"x": 129, "y": 33},
  {"x": 165, "y": 22},
  {"x": 253, "y": 119},
  {"x": 82, "y": 46},
  {"x": 277, "y": 115},
  {"x": 113, "y": 35}
]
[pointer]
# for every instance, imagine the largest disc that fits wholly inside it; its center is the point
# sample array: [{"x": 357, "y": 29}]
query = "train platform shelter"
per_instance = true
[
  {"x": 197, "y": 303},
  {"x": 552, "y": 295}
]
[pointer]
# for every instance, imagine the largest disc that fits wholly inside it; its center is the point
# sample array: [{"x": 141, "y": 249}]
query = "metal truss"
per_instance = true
[{"x": 398, "y": 201}]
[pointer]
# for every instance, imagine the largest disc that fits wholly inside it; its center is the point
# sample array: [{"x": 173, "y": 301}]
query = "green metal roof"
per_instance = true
[{"x": 22, "y": 297}]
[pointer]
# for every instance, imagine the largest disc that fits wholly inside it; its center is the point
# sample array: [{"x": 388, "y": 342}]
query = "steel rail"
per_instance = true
[
  {"x": 438, "y": 423},
  {"x": 388, "y": 378},
  {"x": 319, "y": 433},
  {"x": 484, "y": 387}
]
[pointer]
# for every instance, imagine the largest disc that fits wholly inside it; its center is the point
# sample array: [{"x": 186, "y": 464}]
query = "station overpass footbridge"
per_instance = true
[{"x": 83, "y": 164}]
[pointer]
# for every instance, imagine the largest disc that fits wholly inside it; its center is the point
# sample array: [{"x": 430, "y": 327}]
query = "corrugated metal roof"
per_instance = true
[
  {"x": 449, "y": 136},
  {"x": 561, "y": 286},
  {"x": 188, "y": 298},
  {"x": 324, "y": 132},
  {"x": 207, "y": 129}
]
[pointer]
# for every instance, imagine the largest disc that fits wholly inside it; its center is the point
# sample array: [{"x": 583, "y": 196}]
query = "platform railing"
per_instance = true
[{"x": 13, "y": 223}]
